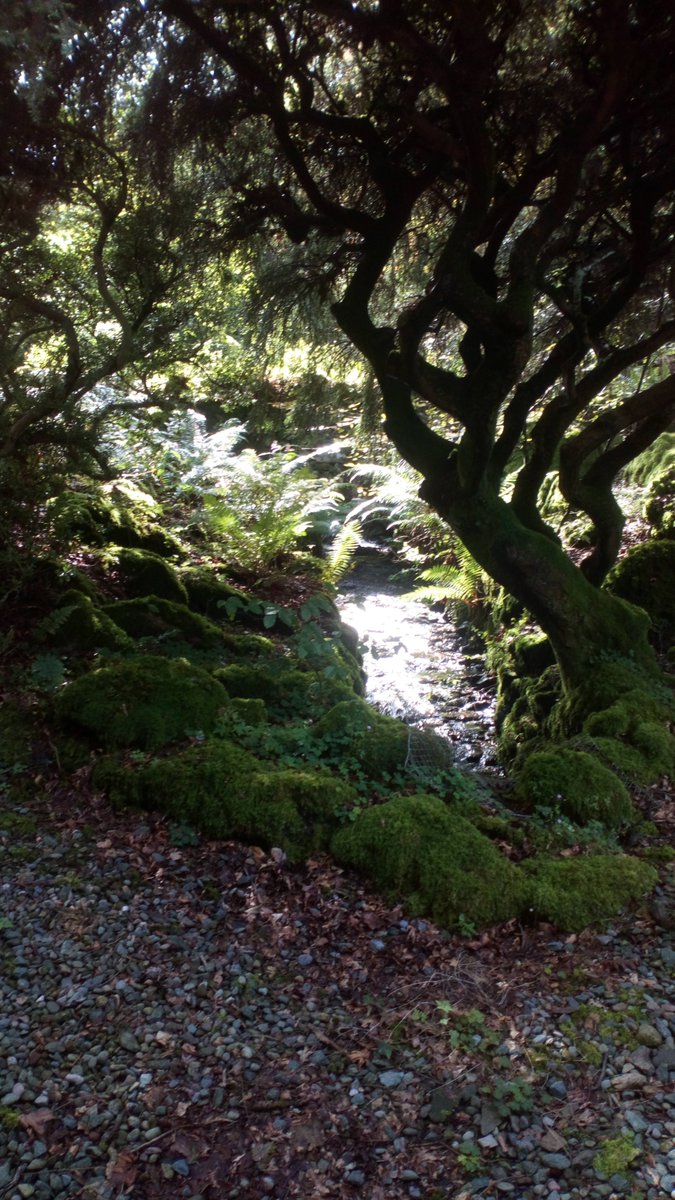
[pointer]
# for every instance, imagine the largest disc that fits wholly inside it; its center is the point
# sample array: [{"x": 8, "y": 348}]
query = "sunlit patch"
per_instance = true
[{"x": 417, "y": 671}]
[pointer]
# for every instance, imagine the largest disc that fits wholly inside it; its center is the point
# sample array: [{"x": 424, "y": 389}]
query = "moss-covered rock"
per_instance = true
[
  {"x": 286, "y": 690},
  {"x": 251, "y": 712},
  {"x": 577, "y": 784},
  {"x": 573, "y": 893},
  {"x": 118, "y": 512},
  {"x": 225, "y": 792},
  {"x": 152, "y": 617},
  {"x": 145, "y": 574},
  {"x": 380, "y": 745},
  {"x": 208, "y": 593},
  {"x": 646, "y": 577},
  {"x": 144, "y": 702},
  {"x": 417, "y": 847},
  {"x": 654, "y": 470},
  {"x": 78, "y": 625},
  {"x": 633, "y": 736}
]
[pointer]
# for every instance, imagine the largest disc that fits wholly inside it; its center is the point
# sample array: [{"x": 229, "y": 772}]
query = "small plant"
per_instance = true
[
  {"x": 469, "y": 1158},
  {"x": 512, "y": 1096},
  {"x": 47, "y": 671},
  {"x": 181, "y": 835},
  {"x": 465, "y": 927},
  {"x": 9, "y": 1117},
  {"x": 615, "y": 1155}
]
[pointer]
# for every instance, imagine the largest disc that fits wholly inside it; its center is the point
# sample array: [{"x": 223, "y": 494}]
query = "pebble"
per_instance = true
[{"x": 190, "y": 1015}]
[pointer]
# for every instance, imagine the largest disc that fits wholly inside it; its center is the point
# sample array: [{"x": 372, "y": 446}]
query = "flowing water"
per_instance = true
[{"x": 417, "y": 663}]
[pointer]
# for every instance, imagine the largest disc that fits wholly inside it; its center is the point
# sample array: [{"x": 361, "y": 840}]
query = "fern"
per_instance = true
[
  {"x": 341, "y": 552},
  {"x": 461, "y": 582}
]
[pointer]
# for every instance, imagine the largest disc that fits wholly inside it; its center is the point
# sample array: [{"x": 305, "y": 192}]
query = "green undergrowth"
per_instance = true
[
  {"x": 223, "y": 791},
  {"x": 239, "y": 716}
]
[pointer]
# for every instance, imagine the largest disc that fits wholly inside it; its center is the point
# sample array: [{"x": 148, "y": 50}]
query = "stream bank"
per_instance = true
[{"x": 420, "y": 666}]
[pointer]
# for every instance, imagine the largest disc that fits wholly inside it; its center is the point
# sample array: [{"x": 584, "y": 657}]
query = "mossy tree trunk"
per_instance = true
[{"x": 583, "y": 623}]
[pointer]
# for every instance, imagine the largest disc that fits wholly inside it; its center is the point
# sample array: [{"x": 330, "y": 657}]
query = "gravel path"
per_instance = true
[{"x": 197, "y": 1021}]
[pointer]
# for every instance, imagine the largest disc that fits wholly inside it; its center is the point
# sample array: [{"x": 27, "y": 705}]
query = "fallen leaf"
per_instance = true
[
  {"x": 36, "y": 1120},
  {"x": 122, "y": 1172},
  {"x": 307, "y": 1136}
]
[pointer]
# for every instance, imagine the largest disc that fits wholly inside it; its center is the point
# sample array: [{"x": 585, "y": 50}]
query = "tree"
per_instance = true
[{"x": 489, "y": 190}]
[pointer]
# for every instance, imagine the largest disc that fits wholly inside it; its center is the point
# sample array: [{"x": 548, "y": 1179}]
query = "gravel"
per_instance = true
[{"x": 200, "y": 1022}]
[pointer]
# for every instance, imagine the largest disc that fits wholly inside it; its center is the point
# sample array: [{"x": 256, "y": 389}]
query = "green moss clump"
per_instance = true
[
  {"x": 625, "y": 760},
  {"x": 251, "y": 712},
  {"x": 380, "y": 745},
  {"x": 646, "y": 577},
  {"x": 144, "y": 702},
  {"x": 225, "y": 792},
  {"x": 416, "y": 846},
  {"x": 78, "y": 625},
  {"x": 284, "y": 689},
  {"x": 152, "y": 617},
  {"x": 575, "y": 892},
  {"x": 118, "y": 512},
  {"x": 145, "y": 574},
  {"x": 576, "y": 784},
  {"x": 615, "y": 1155},
  {"x": 17, "y": 734},
  {"x": 209, "y": 594},
  {"x": 632, "y": 736}
]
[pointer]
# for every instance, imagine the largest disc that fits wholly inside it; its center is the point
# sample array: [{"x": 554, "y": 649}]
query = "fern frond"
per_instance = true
[{"x": 341, "y": 552}]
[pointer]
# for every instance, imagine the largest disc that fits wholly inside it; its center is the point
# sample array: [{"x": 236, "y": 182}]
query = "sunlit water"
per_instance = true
[{"x": 417, "y": 667}]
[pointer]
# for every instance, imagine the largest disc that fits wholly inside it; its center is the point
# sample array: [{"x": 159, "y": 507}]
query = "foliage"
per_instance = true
[
  {"x": 222, "y": 790},
  {"x": 261, "y": 508}
]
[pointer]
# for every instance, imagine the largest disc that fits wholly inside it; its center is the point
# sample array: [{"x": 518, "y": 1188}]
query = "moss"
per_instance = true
[
  {"x": 120, "y": 513},
  {"x": 633, "y": 736},
  {"x": 209, "y": 594},
  {"x": 575, "y": 892},
  {"x": 285, "y": 689},
  {"x": 152, "y": 617},
  {"x": 251, "y": 712},
  {"x": 576, "y": 784},
  {"x": 658, "y": 854},
  {"x": 379, "y": 744},
  {"x": 17, "y": 733},
  {"x": 646, "y": 577},
  {"x": 146, "y": 574},
  {"x": 621, "y": 758},
  {"x": 225, "y": 792},
  {"x": 417, "y": 847},
  {"x": 615, "y": 1155},
  {"x": 79, "y": 626},
  {"x": 144, "y": 702}
]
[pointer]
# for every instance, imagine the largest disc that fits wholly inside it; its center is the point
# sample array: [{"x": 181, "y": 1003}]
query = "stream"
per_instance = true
[{"x": 418, "y": 664}]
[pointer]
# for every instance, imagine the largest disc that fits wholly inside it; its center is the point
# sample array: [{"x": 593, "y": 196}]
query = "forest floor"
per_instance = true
[{"x": 200, "y": 1021}]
